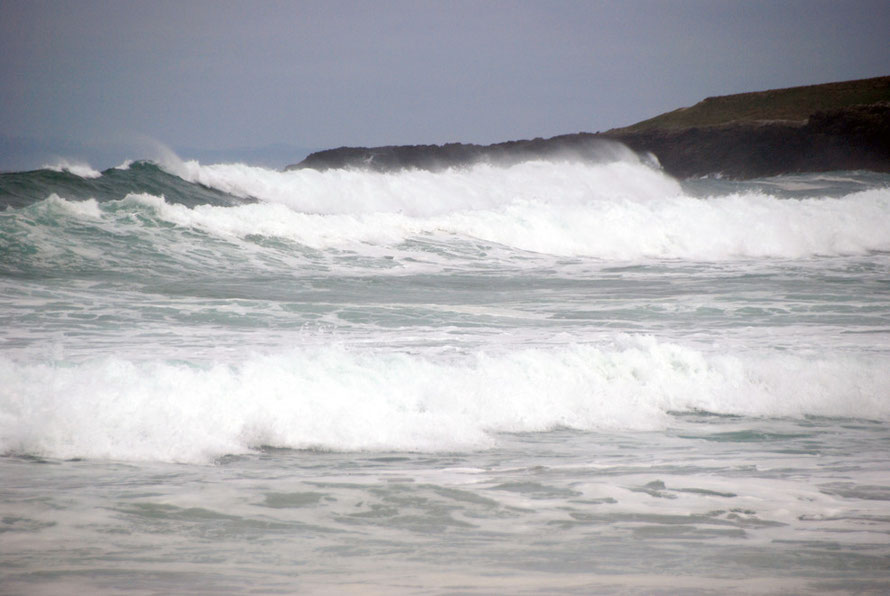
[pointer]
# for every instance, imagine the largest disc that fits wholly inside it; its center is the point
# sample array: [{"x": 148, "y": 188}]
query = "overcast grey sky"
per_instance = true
[{"x": 218, "y": 74}]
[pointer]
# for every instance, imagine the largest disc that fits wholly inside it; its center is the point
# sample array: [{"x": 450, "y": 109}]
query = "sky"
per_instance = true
[{"x": 221, "y": 75}]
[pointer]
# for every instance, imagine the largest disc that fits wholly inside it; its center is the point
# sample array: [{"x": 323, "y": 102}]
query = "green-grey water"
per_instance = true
[{"x": 555, "y": 377}]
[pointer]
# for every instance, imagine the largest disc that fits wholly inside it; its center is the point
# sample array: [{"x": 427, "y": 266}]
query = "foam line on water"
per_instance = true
[
  {"x": 621, "y": 209},
  {"x": 425, "y": 193},
  {"x": 618, "y": 211},
  {"x": 341, "y": 399},
  {"x": 739, "y": 226}
]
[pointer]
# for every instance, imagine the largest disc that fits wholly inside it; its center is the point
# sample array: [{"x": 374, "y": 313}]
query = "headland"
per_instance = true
[{"x": 814, "y": 128}]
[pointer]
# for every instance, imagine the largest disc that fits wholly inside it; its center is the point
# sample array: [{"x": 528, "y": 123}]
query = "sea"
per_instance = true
[{"x": 571, "y": 376}]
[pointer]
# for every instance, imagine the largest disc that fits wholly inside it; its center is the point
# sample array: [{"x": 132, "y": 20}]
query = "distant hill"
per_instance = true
[
  {"x": 816, "y": 128},
  {"x": 793, "y": 105}
]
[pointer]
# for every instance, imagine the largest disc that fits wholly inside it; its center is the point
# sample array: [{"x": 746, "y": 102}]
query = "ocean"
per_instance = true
[{"x": 550, "y": 377}]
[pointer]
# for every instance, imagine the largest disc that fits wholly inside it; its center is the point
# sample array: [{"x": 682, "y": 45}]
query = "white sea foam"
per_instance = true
[
  {"x": 422, "y": 193},
  {"x": 662, "y": 227},
  {"x": 621, "y": 210},
  {"x": 334, "y": 398},
  {"x": 82, "y": 169},
  {"x": 88, "y": 209}
]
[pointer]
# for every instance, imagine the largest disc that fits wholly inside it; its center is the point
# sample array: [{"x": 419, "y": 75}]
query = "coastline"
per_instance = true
[{"x": 816, "y": 128}]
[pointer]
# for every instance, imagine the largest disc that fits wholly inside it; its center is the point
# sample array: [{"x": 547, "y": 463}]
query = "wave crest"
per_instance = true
[
  {"x": 81, "y": 169},
  {"x": 342, "y": 400},
  {"x": 621, "y": 211}
]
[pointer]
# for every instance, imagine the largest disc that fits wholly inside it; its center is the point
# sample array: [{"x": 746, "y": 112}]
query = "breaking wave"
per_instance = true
[
  {"x": 620, "y": 211},
  {"x": 340, "y": 399}
]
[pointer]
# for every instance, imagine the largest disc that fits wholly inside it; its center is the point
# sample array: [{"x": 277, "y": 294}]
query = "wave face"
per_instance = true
[
  {"x": 181, "y": 312},
  {"x": 617, "y": 211}
]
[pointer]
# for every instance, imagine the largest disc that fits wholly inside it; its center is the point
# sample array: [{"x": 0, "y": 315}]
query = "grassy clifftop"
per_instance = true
[{"x": 793, "y": 105}]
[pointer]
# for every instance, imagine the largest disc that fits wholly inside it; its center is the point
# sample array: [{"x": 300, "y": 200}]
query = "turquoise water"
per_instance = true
[{"x": 556, "y": 377}]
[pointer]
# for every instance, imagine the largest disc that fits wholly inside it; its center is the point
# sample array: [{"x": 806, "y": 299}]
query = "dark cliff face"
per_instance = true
[
  {"x": 853, "y": 138},
  {"x": 850, "y": 138}
]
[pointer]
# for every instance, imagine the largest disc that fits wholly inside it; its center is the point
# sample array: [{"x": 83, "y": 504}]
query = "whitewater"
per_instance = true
[{"x": 562, "y": 376}]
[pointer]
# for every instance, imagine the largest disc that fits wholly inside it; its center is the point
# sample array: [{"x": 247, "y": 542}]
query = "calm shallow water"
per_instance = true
[
  {"x": 719, "y": 504},
  {"x": 550, "y": 378}
]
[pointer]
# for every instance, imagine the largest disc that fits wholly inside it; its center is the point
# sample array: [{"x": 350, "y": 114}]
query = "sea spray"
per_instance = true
[
  {"x": 425, "y": 193},
  {"x": 78, "y": 168},
  {"x": 570, "y": 211},
  {"x": 339, "y": 399}
]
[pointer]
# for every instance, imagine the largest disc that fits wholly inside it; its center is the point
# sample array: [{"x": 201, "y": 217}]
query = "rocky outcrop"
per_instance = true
[
  {"x": 435, "y": 157},
  {"x": 851, "y": 137}
]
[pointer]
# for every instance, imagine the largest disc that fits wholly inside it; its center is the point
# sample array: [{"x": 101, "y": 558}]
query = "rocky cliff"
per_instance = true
[
  {"x": 851, "y": 138},
  {"x": 836, "y": 126}
]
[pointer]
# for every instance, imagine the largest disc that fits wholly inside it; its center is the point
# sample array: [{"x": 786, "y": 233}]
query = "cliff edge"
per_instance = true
[{"x": 834, "y": 126}]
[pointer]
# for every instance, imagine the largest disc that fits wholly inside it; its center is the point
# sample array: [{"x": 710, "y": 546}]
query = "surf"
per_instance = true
[
  {"x": 346, "y": 399},
  {"x": 621, "y": 212}
]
